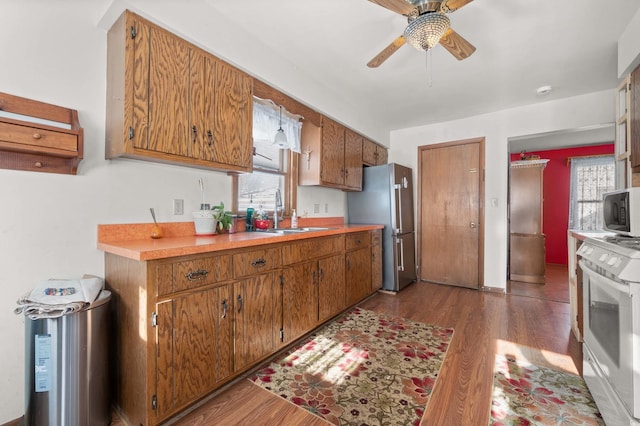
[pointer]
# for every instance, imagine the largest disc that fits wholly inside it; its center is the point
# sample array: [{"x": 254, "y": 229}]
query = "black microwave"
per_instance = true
[{"x": 621, "y": 211}]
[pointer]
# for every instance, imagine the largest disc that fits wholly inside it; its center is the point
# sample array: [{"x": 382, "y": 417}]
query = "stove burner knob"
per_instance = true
[
  {"x": 603, "y": 257},
  {"x": 612, "y": 260}
]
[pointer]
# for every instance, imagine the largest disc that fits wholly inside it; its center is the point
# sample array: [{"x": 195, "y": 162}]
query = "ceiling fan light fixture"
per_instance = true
[{"x": 425, "y": 31}]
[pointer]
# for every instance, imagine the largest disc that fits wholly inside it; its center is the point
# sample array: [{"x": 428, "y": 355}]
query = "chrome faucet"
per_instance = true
[{"x": 278, "y": 206}]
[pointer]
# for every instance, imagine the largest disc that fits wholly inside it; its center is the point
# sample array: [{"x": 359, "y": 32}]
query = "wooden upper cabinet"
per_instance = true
[
  {"x": 332, "y": 152},
  {"x": 170, "y": 101},
  {"x": 353, "y": 160},
  {"x": 331, "y": 156},
  {"x": 373, "y": 154}
]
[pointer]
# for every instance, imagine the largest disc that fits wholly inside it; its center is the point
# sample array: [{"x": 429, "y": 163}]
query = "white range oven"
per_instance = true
[{"x": 611, "y": 349}]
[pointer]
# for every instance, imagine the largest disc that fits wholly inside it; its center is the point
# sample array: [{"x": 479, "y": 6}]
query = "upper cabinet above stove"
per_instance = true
[{"x": 628, "y": 131}]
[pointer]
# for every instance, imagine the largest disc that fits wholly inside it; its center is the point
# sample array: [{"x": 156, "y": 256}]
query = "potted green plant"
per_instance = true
[{"x": 223, "y": 218}]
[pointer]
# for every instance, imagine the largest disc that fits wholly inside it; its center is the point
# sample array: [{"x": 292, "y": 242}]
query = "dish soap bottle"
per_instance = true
[
  {"x": 249, "y": 220},
  {"x": 294, "y": 219}
]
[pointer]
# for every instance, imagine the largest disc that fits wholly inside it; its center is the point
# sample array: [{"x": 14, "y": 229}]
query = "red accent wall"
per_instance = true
[{"x": 556, "y": 183}]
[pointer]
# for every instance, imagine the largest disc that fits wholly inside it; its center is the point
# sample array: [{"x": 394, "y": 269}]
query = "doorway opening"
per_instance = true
[{"x": 558, "y": 147}]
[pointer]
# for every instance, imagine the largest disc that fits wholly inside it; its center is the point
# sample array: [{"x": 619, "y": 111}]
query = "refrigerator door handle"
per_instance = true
[
  {"x": 398, "y": 187},
  {"x": 401, "y": 265}
]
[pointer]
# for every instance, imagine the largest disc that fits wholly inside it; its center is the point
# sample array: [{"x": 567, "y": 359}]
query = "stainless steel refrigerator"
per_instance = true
[{"x": 387, "y": 199}]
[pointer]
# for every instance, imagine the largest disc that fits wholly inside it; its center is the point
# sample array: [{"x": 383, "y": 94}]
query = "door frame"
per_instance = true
[{"x": 481, "y": 166}]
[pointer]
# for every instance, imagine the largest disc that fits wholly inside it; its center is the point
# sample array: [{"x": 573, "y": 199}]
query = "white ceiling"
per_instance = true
[{"x": 570, "y": 45}]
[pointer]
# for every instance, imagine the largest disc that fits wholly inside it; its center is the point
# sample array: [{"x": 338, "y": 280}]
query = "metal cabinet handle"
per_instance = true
[
  {"x": 321, "y": 274},
  {"x": 258, "y": 263},
  {"x": 37, "y": 135},
  {"x": 239, "y": 302},
  {"x": 224, "y": 308},
  {"x": 195, "y": 133},
  {"x": 472, "y": 225},
  {"x": 210, "y": 137},
  {"x": 200, "y": 274}
]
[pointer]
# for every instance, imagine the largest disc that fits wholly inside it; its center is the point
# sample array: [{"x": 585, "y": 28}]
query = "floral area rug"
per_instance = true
[
  {"x": 362, "y": 369},
  {"x": 526, "y": 394}
]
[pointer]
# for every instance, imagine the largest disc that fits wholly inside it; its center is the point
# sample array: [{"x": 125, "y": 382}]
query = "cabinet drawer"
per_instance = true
[
  {"x": 256, "y": 261},
  {"x": 304, "y": 250},
  {"x": 376, "y": 237},
  {"x": 34, "y": 139},
  {"x": 188, "y": 274},
  {"x": 357, "y": 240}
]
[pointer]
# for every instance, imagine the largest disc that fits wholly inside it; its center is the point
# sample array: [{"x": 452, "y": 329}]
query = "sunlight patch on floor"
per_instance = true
[
  {"x": 331, "y": 359},
  {"x": 537, "y": 356}
]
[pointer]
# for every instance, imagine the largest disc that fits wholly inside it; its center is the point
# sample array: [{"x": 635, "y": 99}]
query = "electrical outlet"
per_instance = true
[
  {"x": 316, "y": 208},
  {"x": 178, "y": 207},
  {"x": 326, "y": 207}
]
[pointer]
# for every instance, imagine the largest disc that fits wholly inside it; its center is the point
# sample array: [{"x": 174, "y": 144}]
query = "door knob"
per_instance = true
[{"x": 472, "y": 225}]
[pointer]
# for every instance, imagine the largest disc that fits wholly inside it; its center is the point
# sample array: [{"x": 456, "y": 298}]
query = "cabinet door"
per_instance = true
[
  {"x": 168, "y": 94},
  {"x": 193, "y": 333},
  {"x": 232, "y": 141},
  {"x": 331, "y": 287},
  {"x": 353, "y": 160},
  {"x": 358, "y": 275},
  {"x": 332, "y": 152},
  {"x": 369, "y": 152},
  {"x": 299, "y": 299},
  {"x": 201, "y": 105},
  {"x": 258, "y": 318},
  {"x": 382, "y": 156}
]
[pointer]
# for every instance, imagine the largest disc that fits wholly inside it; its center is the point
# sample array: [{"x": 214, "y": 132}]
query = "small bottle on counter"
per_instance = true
[
  {"x": 294, "y": 219},
  {"x": 249, "y": 219}
]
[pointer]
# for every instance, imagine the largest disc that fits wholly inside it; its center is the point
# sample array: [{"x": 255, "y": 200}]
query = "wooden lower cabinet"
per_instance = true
[
  {"x": 258, "y": 318},
  {"x": 185, "y": 326},
  {"x": 358, "y": 267},
  {"x": 194, "y": 347}
]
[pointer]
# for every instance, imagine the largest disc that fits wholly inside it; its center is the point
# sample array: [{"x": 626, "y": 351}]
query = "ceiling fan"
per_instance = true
[{"x": 428, "y": 26}]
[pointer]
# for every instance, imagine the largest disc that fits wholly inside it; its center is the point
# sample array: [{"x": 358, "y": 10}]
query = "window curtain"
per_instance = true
[
  {"x": 266, "y": 121},
  {"x": 590, "y": 178}
]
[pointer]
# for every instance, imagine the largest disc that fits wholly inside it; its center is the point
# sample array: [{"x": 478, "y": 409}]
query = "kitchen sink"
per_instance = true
[{"x": 288, "y": 231}]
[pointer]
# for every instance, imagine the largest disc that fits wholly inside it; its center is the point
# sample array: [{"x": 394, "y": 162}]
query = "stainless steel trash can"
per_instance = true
[{"x": 66, "y": 368}]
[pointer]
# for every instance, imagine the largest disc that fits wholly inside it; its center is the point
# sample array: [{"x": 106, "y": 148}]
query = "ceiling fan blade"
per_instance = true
[
  {"x": 386, "y": 52},
  {"x": 399, "y": 6},
  {"x": 455, "y": 4},
  {"x": 456, "y": 45}
]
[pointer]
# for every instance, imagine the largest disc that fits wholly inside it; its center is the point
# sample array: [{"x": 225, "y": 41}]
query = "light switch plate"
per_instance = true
[{"x": 178, "y": 207}]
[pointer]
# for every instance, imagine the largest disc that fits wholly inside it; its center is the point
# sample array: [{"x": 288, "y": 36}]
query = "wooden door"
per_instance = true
[
  {"x": 331, "y": 286},
  {"x": 451, "y": 220},
  {"x": 139, "y": 49},
  {"x": 233, "y": 135},
  {"x": 332, "y": 152},
  {"x": 369, "y": 155},
  {"x": 258, "y": 318},
  {"x": 634, "y": 121},
  {"x": 299, "y": 299},
  {"x": 381, "y": 156},
  {"x": 168, "y": 94},
  {"x": 353, "y": 160}
]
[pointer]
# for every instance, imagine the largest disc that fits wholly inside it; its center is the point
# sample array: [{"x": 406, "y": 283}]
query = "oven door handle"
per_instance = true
[{"x": 621, "y": 288}]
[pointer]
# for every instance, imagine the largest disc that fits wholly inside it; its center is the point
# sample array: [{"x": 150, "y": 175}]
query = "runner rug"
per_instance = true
[
  {"x": 363, "y": 368},
  {"x": 526, "y": 394}
]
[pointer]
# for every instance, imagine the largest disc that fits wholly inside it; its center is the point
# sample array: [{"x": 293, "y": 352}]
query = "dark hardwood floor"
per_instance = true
[
  {"x": 556, "y": 286},
  {"x": 485, "y": 323}
]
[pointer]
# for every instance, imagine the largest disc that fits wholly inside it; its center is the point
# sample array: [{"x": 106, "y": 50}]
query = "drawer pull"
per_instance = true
[
  {"x": 239, "y": 303},
  {"x": 259, "y": 263},
  {"x": 200, "y": 274},
  {"x": 224, "y": 308},
  {"x": 39, "y": 164},
  {"x": 37, "y": 135}
]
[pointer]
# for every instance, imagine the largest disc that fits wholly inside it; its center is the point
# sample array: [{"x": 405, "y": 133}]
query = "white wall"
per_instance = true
[
  {"x": 48, "y": 222},
  {"x": 629, "y": 47},
  {"x": 497, "y": 127}
]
